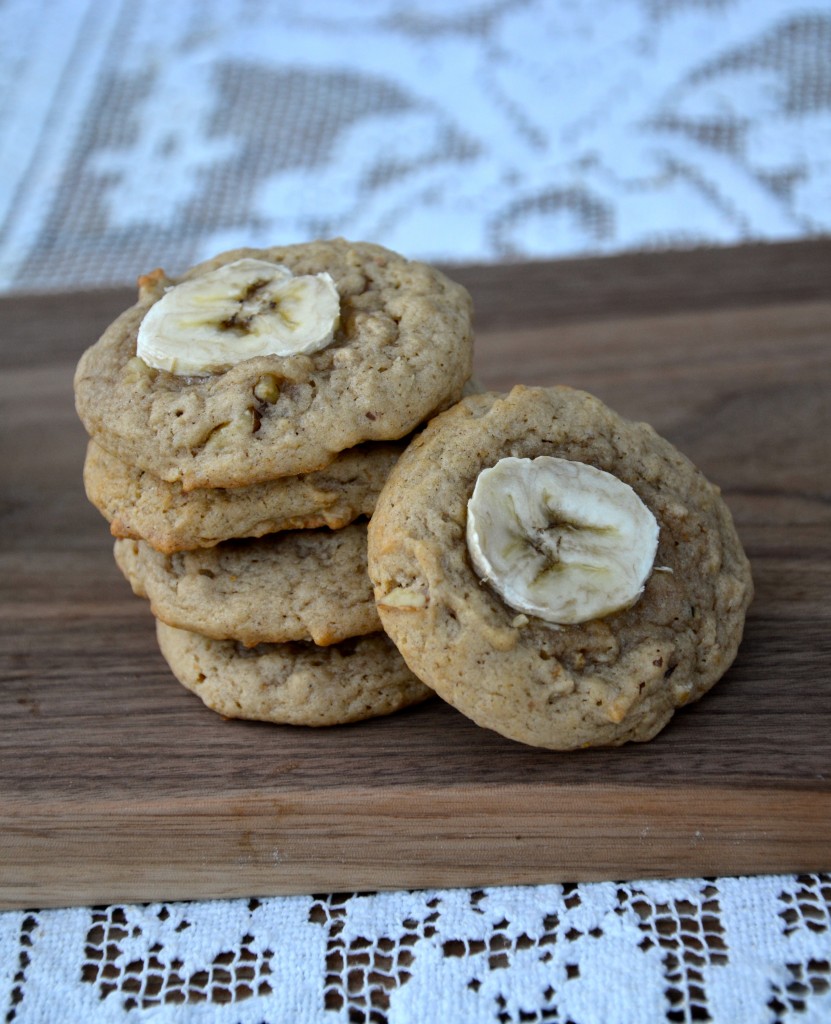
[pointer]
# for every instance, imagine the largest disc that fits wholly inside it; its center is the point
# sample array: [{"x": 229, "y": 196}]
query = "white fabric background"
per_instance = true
[
  {"x": 135, "y": 134},
  {"x": 736, "y": 951},
  {"x": 140, "y": 132}
]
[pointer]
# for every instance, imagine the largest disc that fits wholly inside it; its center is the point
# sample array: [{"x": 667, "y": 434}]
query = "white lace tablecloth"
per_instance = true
[
  {"x": 140, "y": 131},
  {"x": 731, "y": 950},
  {"x": 136, "y": 133}
]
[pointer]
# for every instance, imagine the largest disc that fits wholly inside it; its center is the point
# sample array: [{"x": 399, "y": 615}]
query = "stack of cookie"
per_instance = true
[
  {"x": 242, "y": 422},
  {"x": 558, "y": 574}
]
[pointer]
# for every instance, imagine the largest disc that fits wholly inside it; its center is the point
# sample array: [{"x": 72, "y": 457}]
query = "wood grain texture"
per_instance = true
[{"x": 116, "y": 784}]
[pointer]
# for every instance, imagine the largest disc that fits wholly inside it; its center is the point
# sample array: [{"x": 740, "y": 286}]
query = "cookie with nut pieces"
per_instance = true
[
  {"x": 265, "y": 363},
  {"x": 548, "y": 608}
]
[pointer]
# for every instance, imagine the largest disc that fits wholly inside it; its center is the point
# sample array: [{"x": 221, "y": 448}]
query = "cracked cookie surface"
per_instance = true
[
  {"x": 602, "y": 682},
  {"x": 293, "y": 683},
  {"x": 299, "y": 585},
  {"x": 402, "y": 351}
]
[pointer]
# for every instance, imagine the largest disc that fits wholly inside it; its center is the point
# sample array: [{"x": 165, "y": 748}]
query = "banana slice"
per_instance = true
[
  {"x": 243, "y": 309},
  {"x": 559, "y": 539}
]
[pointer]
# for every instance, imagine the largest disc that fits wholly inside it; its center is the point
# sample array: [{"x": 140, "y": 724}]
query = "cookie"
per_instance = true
[
  {"x": 299, "y": 585},
  {"x": 614, "y": 678},
  {"x": 293, "y": 683},
  {"x": 402, "y": 350},
  {"x": 139, "y": 505}
]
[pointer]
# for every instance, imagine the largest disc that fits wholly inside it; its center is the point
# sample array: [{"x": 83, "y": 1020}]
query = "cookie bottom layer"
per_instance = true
[{"x": 293, "y": 683}]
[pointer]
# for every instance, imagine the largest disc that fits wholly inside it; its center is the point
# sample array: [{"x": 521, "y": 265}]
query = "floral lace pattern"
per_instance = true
[
  {"x": 139, "y": 134},
  {"x": 750, "y": 950}
]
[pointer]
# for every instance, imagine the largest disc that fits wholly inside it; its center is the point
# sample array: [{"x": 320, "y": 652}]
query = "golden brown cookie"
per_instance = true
[
  {"x": 139, "y": 505},
  {"x": 299, "y": 585},
  {"x": 293, "y": 683},
  {"x": 401, "y": 351},
  {"x": 615, "y": 678}
]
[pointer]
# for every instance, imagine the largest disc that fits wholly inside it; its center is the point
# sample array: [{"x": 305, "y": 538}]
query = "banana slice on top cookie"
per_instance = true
[
  {"x": 559, "y": 574},
  {"x": 264, "y": 363}
]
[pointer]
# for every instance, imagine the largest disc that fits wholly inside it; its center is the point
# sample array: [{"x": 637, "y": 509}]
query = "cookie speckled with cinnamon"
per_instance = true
[
  {"x": 297, "y": 585},
  {"x": 293, "y": 683},
  {"x": 139, "y": 505},
  {"x": 400, "y": 350},
  {"x": 607, "y": 679}
]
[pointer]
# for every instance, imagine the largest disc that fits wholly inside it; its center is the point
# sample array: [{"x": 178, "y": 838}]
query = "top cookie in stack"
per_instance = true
[
  {"x": 268, "y": 391},
  {"x": 220, "y": 410}
]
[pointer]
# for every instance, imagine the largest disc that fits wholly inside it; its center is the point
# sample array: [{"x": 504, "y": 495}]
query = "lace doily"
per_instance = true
[
  {"x": 728, "y": 950},
  {"x": 135, "y": 134}
]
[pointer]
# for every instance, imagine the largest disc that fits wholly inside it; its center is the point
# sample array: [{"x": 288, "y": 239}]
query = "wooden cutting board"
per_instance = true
[{"x": 116, "y": 784}]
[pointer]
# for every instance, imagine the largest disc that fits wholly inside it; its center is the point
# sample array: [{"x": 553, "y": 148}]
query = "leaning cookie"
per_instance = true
[
  {"x": 645, "y": 618},
  {"x": 300, "y": 585},
  {"x": 263, "y": 363},
  {"x": 139, "y": 505},
  {"x": 293, "y": 683}
]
